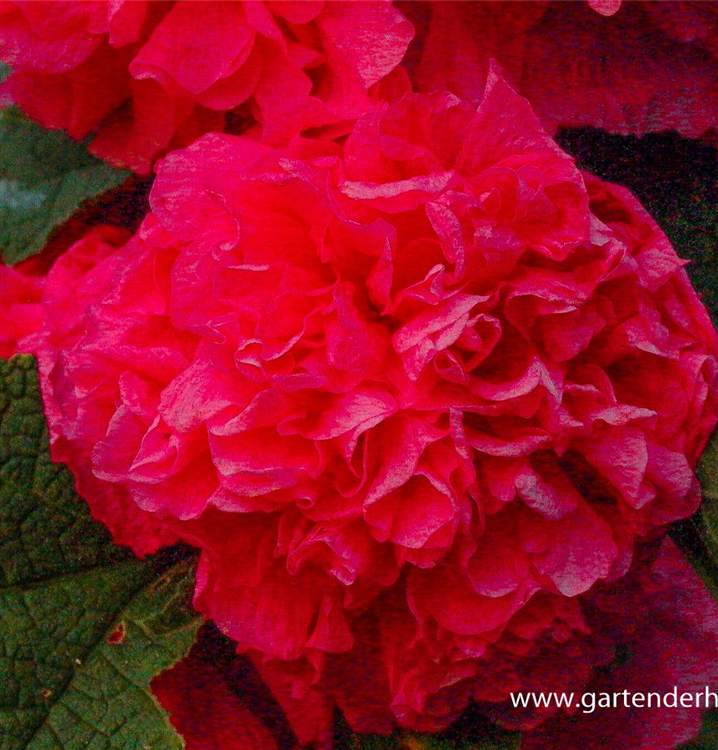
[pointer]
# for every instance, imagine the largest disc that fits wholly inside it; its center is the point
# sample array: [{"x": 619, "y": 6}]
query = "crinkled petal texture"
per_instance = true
[
  {"x": 145, "y": 76},
  {"x": 631, "y": 67},
  {"x": 406, "y": 395}
]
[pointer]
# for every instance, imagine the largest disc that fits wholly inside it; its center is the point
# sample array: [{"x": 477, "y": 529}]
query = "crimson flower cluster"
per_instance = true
[
  {"x": 423, "y": 394},
  {"x": 434, "y": 384},
  {"x": 144, "y": 76},
  {"x": 136, "y": 74}
]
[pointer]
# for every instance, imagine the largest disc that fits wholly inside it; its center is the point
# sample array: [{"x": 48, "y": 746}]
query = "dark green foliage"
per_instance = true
[
  {"x": 45, "y": 177},
  {"x": 84, "y": 626}
]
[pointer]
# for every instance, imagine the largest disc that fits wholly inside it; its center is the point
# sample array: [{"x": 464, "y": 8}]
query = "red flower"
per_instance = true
[
  {"x": 428, "y": 384},
  {"x": 636, "y": 67},
  {"x": 149, "y": 76}
]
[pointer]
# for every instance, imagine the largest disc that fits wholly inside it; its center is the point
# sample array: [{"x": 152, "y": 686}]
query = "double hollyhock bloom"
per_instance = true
[
  {"x": 144, "y": 76},
  {"x": 413, "y": 397},
  {"x": 631, "y": 67}
]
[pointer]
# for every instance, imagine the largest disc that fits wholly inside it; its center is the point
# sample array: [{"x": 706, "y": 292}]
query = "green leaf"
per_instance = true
[
  {"x": 708, "y": 472},
  {"x": 708, "y": 737},
  {"x": 708, "y": 477},
  {"x": 84, "y": 626},
  {"x": 698, "y": 536},
  {"x": 44, "y": 178}
]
